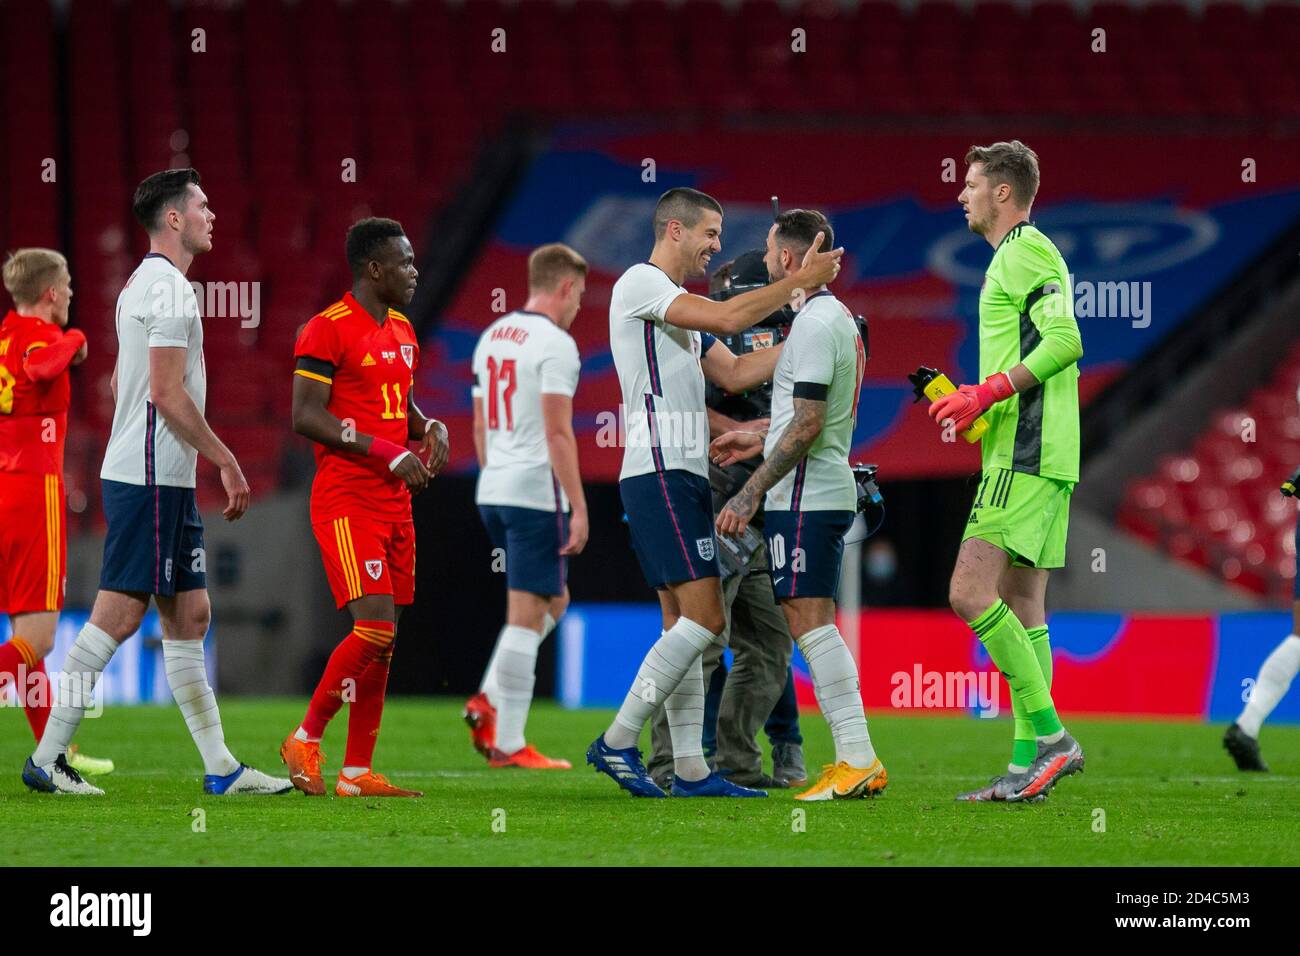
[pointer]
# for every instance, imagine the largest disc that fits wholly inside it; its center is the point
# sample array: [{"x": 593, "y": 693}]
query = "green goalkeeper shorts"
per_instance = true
[{"x": 1027, "y": 516}]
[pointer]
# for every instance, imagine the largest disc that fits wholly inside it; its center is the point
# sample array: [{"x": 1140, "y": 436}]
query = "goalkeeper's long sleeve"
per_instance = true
[{"x": 1061, "y": 345}]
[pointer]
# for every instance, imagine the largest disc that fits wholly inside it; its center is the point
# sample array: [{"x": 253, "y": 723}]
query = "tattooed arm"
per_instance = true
[{"x": 798, "y": 437}]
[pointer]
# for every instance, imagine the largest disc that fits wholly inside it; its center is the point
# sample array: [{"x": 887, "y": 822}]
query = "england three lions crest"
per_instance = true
[{"x": 705, "y": 547}]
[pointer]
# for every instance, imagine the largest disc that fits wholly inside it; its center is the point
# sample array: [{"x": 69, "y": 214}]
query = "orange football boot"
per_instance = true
[
  {"x": 370, "y": 784},
  {"x": 482, "y": 719},
  {"x": 527, "y": 757},
  {"x": 304, "y": 759}
]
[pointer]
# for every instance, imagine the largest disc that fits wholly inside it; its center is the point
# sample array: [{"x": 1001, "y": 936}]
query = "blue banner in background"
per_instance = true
[
  {"x": 1193, "y": 666},
  {"x": 135, "y": 675}
]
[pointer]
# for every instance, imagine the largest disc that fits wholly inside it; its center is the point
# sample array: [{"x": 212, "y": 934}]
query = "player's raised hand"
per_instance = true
[
  {"x": 731, "y": 447},
  {"x": 435, "y": 447},
  {"x": 237, "y": 491},
  {"x": 412, "y": 471},
  {"x": 578, "y": 530},
  {"x": 819, "y": 268}
]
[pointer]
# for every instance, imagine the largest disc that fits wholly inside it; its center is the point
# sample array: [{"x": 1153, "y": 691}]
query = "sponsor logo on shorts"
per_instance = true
[
  {"x": 705, "y": 547},
  {"x": 374, "y": 569}
]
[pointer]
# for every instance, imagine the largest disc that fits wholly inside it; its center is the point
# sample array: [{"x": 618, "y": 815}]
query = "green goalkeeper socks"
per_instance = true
[
  {"x": 1026, "y": 745},
  {"x": 1004, "y": 637}
]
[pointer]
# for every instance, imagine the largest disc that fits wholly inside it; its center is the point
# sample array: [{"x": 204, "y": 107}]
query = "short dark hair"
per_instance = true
[
  {"x": 797, "y": 228},
  {"x": 683, "y": 204},
  {"x": 1012, "y": 163},
  {"x": 365, "y": 238},
  {"x": 160, "y": 191}
]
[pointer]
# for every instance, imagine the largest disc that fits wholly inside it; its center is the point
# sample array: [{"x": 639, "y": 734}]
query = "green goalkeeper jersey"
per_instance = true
[{"x": 1027, "y": 300}]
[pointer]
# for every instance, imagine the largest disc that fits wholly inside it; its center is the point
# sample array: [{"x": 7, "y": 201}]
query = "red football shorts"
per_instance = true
[
  {"x": 364, "y": 556},
  {"x": 33, "y": 543}
]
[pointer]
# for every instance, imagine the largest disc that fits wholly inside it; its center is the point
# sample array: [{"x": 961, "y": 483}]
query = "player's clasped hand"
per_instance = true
[
  {"x": 237, "y": 491},
  {"x": 735, "y": 515},
  {"x": 412, "y": 471},
  {"x": 731, "y": 447},
  {"x": 435, "y": 447}
]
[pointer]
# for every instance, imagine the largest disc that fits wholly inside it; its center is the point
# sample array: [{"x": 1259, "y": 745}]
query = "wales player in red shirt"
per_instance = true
[
  {"x": 36, "y": 351},
  {"x": 356, "y": 364}
]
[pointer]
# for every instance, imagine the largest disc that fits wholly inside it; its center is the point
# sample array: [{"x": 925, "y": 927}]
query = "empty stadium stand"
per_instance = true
[{"x": 270, "y": 99}]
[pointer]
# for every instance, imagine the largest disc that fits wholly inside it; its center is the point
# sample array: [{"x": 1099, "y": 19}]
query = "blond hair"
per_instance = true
[
  {"x": 29, "y": 272},
  {"x": 550, "y": 264}
]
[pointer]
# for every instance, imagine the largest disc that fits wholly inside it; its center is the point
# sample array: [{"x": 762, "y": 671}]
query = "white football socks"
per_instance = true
[
  {"x": 665, "y": 664},
  {"x": 516, "y": 665},
  {"x": 187, "y": 676},
  {"x": 490, "y": 687},
  {"x": 1275, "y": 676},
  {"x": 86, "y": 660},
  {"x": 685, "y": 710},
  {"x": 835, "y": 680}
]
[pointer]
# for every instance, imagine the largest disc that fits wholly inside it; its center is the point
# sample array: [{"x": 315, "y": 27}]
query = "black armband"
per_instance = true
[
  {"x": 815, "y": 391},
  {"x": 315, "y": 369}
]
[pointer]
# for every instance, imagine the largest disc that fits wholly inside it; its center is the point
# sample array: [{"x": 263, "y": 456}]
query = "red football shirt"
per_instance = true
[
  {"x": 33, "y": 413},
  {"x": 373, "y": 371}
]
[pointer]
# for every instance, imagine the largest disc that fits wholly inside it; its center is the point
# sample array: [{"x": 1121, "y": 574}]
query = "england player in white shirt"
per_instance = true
[
  {"x": 154, "y": 544},
  {"x": 811, "y": 498},
  {"x": 529, "y": 490},
  {"x": 662, "y": 339}
]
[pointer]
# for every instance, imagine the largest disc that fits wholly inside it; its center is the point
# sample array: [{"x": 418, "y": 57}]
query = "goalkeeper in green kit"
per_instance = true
[{"x": 1029, "y": 396}]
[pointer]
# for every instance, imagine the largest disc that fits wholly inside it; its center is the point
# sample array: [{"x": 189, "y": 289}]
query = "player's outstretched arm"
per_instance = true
[
  {"x": 807, "y": 423},
  {"x": 557, "y": 414},
  {"x": 739, "y": 373},
  {"x": 167, "y": 392},
  {"x": 312, "y": 419},
  {"x": 740, "y": 312}
]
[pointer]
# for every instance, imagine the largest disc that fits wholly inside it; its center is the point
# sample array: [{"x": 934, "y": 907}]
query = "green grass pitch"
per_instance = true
[{"x": 1166, "y": 793}]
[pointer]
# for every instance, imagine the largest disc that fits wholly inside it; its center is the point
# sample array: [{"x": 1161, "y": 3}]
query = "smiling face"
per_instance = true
[
  {"x": 700, "y": 243},
  {"x": 194, "y": 219},
  {"x": 981, "y": 199}
]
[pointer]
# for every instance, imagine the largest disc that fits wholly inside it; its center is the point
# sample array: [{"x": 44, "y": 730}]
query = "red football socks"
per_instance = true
[
  {"x": 366, "y": 712},
  {"x": 34, "y": 692},
  {"x": 349, "y": 662}
]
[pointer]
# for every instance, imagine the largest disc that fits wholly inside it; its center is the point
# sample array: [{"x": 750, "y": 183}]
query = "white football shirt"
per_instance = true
[
  {"x": 519, "y": 358},
  {"x": 823, "y": 348},
  {"x": 659, "y": 372},
  {"x": 157, "y": 308}
]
